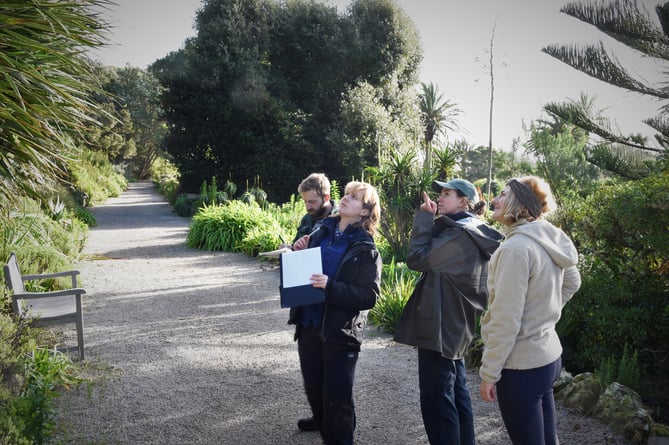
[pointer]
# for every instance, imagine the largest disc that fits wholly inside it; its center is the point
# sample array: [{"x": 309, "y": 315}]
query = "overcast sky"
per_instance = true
[{"x": 456, "y": 38}]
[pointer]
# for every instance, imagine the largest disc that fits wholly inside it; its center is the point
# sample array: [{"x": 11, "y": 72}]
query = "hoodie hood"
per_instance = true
[
  {"x": 486, "y": 238},
  {"x": 558, "y": 245}
]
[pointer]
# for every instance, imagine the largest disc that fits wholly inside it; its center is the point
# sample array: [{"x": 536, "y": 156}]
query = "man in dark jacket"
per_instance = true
[{"x": 315, "y": 192}]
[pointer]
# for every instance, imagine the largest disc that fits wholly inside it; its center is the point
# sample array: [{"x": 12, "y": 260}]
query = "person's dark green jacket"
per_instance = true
[{"x": 452, "y": 290}]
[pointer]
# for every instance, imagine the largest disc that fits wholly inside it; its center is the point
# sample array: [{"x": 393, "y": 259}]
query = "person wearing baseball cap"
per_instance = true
[
  {"x": 463, "y": 186},
  {"x": 452, "y": 253}
]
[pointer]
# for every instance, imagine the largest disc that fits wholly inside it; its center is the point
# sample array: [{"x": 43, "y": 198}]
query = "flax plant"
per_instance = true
[{"x": 45, "y": 85}]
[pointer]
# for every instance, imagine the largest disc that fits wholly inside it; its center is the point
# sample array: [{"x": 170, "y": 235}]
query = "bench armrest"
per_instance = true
[
  {"x": 57, "y": 293},
  {"x": 69, "y": 273}
]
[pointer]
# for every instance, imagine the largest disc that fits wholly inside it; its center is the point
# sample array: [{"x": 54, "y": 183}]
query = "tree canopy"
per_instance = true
[{"x": 258, "y": 94}]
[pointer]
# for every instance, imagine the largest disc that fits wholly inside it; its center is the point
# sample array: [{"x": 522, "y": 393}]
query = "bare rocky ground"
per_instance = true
[{"x": 191, "y": 347}]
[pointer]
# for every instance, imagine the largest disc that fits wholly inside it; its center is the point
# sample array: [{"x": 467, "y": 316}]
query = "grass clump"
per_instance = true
[
  {"x": 234, "y": 227},
  {"x": 397, "y": 285}
]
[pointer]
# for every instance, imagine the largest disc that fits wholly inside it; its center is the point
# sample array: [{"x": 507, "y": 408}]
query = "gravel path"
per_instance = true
[{"x": 191, "y": 347}]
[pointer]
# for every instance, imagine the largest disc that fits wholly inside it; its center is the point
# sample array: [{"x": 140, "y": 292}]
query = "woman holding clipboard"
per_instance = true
[{"x": 329, "y": 334}]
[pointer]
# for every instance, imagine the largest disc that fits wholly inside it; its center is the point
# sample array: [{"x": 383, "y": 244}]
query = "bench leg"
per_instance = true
[{"x": 80, "y": 328}]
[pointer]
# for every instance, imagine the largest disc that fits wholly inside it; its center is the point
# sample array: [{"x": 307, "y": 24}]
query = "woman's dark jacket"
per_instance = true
[
  {"x": 351, "y": 292},
  {"x": 452, "y": 290}
]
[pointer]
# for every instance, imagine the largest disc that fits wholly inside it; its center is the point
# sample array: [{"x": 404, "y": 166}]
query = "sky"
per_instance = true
[{"x": 456, "y": 37}]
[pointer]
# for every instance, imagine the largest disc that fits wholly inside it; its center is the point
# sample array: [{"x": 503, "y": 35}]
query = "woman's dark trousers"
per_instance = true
[{"x": 328, "y": 371}]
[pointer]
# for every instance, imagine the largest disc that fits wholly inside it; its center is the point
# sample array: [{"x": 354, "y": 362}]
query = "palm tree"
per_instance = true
[
  {"x": 437, "y": 116},
  {"x": 44, "y": 88},
  {"x": 624, "y": 21}
]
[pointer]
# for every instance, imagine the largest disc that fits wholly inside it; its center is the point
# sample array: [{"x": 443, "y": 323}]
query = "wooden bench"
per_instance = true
[{"x": 47, "y": 308}]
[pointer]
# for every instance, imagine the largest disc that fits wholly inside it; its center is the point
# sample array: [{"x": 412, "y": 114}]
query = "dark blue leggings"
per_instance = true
[{"x": 527, "y": 405}]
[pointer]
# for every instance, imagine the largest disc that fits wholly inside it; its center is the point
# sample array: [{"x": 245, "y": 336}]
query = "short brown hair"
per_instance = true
[{"x": 317, "y": 182}]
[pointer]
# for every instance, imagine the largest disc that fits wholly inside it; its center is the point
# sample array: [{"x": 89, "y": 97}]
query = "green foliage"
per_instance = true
[
  {"x": 85, "y": 216},
  {"x": 16, "y": 342},
  {"x": 607, "y": 372},
  {"x": 561, "y": 160},
  {"x": 133, "y": 97},
  {"x": 166, "y": 175},
  {"x": 225, "y": 227},
  {"x": 45, "y": 89},
  {"x": 335, "y": 192},
  {"x": 384, "y": 249},
  {"x": 209, "y": 195},
  {"x": 45, "y": 372},
  {"x": 169, "y": 190},
  {"x": 437, "y": 116},
  {"x": 277, "y": 73},
  {"x": 474, "y": 164},
  {"x": 163, "y": 169},
  {"x": 629, "y": 373},
  {"x": 397, "y": 285},
  {"x": 631, "y": 239},
  {"x": 183, "y": 206},
  {"x": 610, "y": 311},
  {"x": 31, "y": 228},
  {"x": 259, "y": 239},
  {"x": 95, "y": 177},
  {"x": 624, "y": 371},
  {"x": 367, "y": 126},
  {"x": 288, "y": 215},
  {"x": 400, "y": 183}
]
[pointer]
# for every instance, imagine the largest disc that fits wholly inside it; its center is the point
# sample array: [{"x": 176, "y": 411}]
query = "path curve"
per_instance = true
[{"x": 191, "y": 347}]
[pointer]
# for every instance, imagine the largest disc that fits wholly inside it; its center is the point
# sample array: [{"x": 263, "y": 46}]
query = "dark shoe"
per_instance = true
[{"x": 308, "y": 424}]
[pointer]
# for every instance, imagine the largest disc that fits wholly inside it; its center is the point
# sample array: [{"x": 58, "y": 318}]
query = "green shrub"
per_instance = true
[
  {"x": 210, "y": 195},
  {"x": 164, "y": 171},
  {"x": 288, "y": 215},
  {"x": 384, "y": 249},
  {"x": 32, "y": 227},
  {"x": 12, "y": 426},
  {"x": 628, "y": 370},
  {"x": 397, "y": 285},
  {"x": 608, "y": 313},
  {"x": 95, "y": 177},
  {"x": 607, "y": 371},
  {"x": 260, "y": 239},
  {"x": 85, "y": 216},
  {"x": 183, "y": 206},
  {"x": 624, "y": 371},
  {"x": 625, "y": 289},
  {"x": 225, "y": 227},
  {"x": 45, "y": 372}
]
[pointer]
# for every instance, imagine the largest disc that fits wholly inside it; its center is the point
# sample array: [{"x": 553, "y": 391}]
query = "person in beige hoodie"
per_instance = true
[{"x": 530, "y": 278}]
